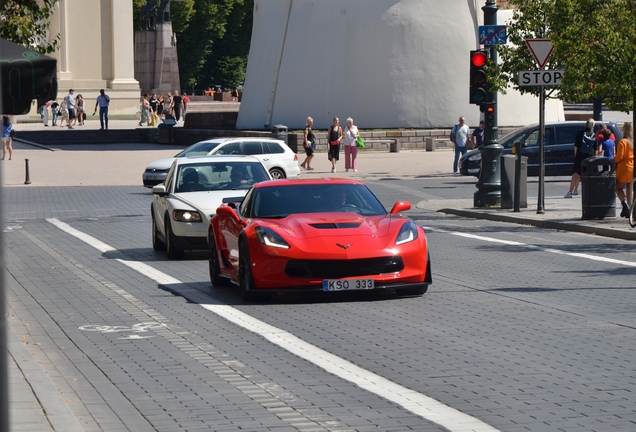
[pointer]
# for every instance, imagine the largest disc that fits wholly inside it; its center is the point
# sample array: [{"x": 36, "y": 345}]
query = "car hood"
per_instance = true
[
  {"x": 205, "y": 202},
  {"x": 161, "y": 165},
  {"x": 339, "y": 234},
  {"x": 336, "y": 225},
  {"x": 470, "y": 153}
]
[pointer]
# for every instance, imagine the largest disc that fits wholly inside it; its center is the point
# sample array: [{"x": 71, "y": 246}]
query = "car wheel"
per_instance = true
[
  {"x": 157, "y": 244},
  {"x": 246, "y": 281},
  {"x": 215, "y": 269},
  {"x": 171, "y": 248},
  {"x": 277, "y": 173},
  {"x": 412, "y": 291}
]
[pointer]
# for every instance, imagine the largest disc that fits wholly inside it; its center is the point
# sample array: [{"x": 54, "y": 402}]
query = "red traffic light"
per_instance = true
[
  {"x": 490, "y": 110},
  {"x": 478, "y": 59}
]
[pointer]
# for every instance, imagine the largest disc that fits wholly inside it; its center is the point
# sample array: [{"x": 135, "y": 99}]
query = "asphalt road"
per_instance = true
[{"x": 522, "y": 329}]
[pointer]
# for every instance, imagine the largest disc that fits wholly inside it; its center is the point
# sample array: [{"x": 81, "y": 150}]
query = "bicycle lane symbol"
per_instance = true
[{"x": 136, "y": 328}]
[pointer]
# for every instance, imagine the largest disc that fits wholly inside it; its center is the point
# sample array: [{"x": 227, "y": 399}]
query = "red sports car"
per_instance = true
[{"x": 316, "y": 234}]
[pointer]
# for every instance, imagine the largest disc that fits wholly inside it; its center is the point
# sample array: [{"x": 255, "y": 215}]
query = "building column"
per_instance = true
[
  {"x": 123, "y": 55},
  {"x": 65, "y": 73}
]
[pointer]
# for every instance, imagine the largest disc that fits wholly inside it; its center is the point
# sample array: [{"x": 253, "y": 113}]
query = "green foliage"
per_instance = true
[
  {"x": 180, "y": 14},
  {"x": 26, "y": 22},
  {"x": 594, "y": 42},
  {"x": 213, "y": 38}
]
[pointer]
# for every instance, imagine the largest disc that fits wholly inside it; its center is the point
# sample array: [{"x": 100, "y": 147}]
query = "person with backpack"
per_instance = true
[{"x": 585, "y": 146}]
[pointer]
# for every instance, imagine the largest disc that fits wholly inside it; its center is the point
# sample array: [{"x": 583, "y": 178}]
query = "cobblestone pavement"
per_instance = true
[{"x": 93, "y": 346}]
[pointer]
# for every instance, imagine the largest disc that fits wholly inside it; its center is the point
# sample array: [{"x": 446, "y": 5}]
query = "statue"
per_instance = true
[
  {"x": 164, "y": 11},
  {"x": 148, "y": 15}
]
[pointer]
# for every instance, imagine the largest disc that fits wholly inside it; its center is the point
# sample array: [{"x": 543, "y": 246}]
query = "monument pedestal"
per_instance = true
[{"x": 156, "y": 60}]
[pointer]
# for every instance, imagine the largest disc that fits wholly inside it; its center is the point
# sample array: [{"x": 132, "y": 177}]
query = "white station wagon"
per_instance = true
[
  {"x": 194, "y": 188},
  {"x": 276, "y": 156}
]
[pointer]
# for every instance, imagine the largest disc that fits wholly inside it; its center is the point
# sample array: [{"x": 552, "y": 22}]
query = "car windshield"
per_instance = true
[
  {"x": 198, "y": 149},
  {"x": 213, "y": 176},
  {"x": 281, "y": 201}
]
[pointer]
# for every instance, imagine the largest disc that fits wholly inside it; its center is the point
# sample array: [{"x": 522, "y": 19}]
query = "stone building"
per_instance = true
[{"x": 97, "y": 51}]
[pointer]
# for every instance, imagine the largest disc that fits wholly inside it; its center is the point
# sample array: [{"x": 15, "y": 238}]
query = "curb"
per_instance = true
[{"x": 550, "y": 224}]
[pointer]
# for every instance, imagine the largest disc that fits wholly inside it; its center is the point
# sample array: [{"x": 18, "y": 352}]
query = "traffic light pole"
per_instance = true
[{"x": 489, "y": 185}]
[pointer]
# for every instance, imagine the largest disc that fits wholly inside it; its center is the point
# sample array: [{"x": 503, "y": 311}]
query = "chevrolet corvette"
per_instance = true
[{"x": 319, "y": 235}]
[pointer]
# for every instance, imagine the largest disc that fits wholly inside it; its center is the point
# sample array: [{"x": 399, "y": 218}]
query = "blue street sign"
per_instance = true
[{"x": 493, "y": 35}]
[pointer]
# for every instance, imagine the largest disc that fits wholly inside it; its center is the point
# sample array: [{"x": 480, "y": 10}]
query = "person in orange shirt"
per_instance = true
[{"x": 624, "y": 158}]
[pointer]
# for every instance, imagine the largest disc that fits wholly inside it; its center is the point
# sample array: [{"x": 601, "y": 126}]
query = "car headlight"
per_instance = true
[
  {"x": 475, "y": 157},
  {"x": 407, "y": 233},
  {"x": 269, "y": 237},
  {"x": 186, "y": 216}
]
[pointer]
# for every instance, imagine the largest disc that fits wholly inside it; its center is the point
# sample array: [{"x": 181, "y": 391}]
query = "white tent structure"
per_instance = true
[{"x": 386, "y": 63}]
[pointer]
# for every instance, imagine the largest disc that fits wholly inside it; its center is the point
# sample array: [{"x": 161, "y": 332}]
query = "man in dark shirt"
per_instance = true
[
  {"x": 478, "y": 135},
  {"x": 177, "y": 102}
]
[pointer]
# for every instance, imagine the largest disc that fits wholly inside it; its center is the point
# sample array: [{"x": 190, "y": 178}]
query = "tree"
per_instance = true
[
  {"x": 26, "y": 22},
  {"x": 213, "y": 50},
  {"x": 594, "y": 43},
  {"x": 227, "y": 62}
]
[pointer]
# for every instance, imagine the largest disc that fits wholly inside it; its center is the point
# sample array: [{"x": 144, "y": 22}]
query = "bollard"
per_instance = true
[{"x": 28, "y": 177}]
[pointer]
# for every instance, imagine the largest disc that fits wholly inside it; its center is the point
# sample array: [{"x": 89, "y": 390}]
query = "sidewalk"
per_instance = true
[{"x": 123, "y": 164}]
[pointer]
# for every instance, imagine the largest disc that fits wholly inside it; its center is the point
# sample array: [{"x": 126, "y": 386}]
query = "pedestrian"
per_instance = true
[
  {"x": 45, "y": 112},
  {"x": 153, "y": 102},
  {"x": 606, "y": 147},
  {"x": 145, "y": 110},
  {"x": 478, "y": 135},
  {"x": 585, "y": 146},
  {"x": 351, "y": 146},
  {"x": 186, "y": 102},
  {"x": 167, "y": 105},
  {"x": 334, "y": 136},
  {"x": 177, "y": 105},
  {"x": 459, "y": 137},
  {"x": 624, "y": 159},
  {"x": 64, "y": 113},
  {"x": 70, "y": 106},
  {"x": 81, "y": 110},
  {"x": 160, "y": 106},
  {"x": 7, "y": 137},
  {"x": 55, "y": 111},
  {"x": 103, "y": 101},
  {"x": 308, "y": 143},
  {"x": 234, "y": 94},
  {"x": 600, "y": 131}
]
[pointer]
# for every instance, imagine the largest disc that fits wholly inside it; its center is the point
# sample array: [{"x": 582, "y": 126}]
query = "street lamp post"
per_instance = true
[{"x": 489, "y": 185}]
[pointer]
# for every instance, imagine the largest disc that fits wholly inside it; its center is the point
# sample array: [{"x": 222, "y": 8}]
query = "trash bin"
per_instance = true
[
  {"x": 165, "y": 132},
  {"x": 394, "y": 146},
  {"x": 508, "y": 165},
  {"x": 598, "y": 188},
  {"x": 279, "y": 131}
]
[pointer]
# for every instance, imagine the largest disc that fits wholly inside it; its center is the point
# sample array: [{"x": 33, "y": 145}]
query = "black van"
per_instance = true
[{"x": 559, "y": 143}]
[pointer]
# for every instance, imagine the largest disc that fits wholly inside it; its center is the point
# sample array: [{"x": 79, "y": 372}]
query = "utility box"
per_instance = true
[
  {"x": 508, "y": 166},
  {"x": 598, "y": 188}
]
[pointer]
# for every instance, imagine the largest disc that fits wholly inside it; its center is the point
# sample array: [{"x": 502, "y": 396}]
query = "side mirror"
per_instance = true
[
  {"x": 228, "y": 212},
  {"x": 400, "y": 206},
  {"x": 160, "y": 190}
]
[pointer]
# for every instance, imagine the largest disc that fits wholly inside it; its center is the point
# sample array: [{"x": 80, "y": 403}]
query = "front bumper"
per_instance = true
[{"x": 151, "y": 180}]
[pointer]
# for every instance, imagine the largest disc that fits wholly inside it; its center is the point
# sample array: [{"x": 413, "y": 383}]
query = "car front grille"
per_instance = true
[{"x": 337, "y": 269}]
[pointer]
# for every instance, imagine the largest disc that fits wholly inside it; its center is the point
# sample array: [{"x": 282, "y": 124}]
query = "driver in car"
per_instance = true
[
  {"x": 338, "y": 200},
  {"x": 238, "y": 177}
]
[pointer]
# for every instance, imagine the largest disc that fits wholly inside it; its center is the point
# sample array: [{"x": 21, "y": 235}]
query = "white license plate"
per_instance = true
[
  {"x": 347, "y": 284},
  {"x": 474, "y": 170}
]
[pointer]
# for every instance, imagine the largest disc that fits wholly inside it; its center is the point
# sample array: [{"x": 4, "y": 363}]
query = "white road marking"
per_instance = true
[
  {"x": 539, "y": 248},
  {"x": 415, "y": 402}
]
